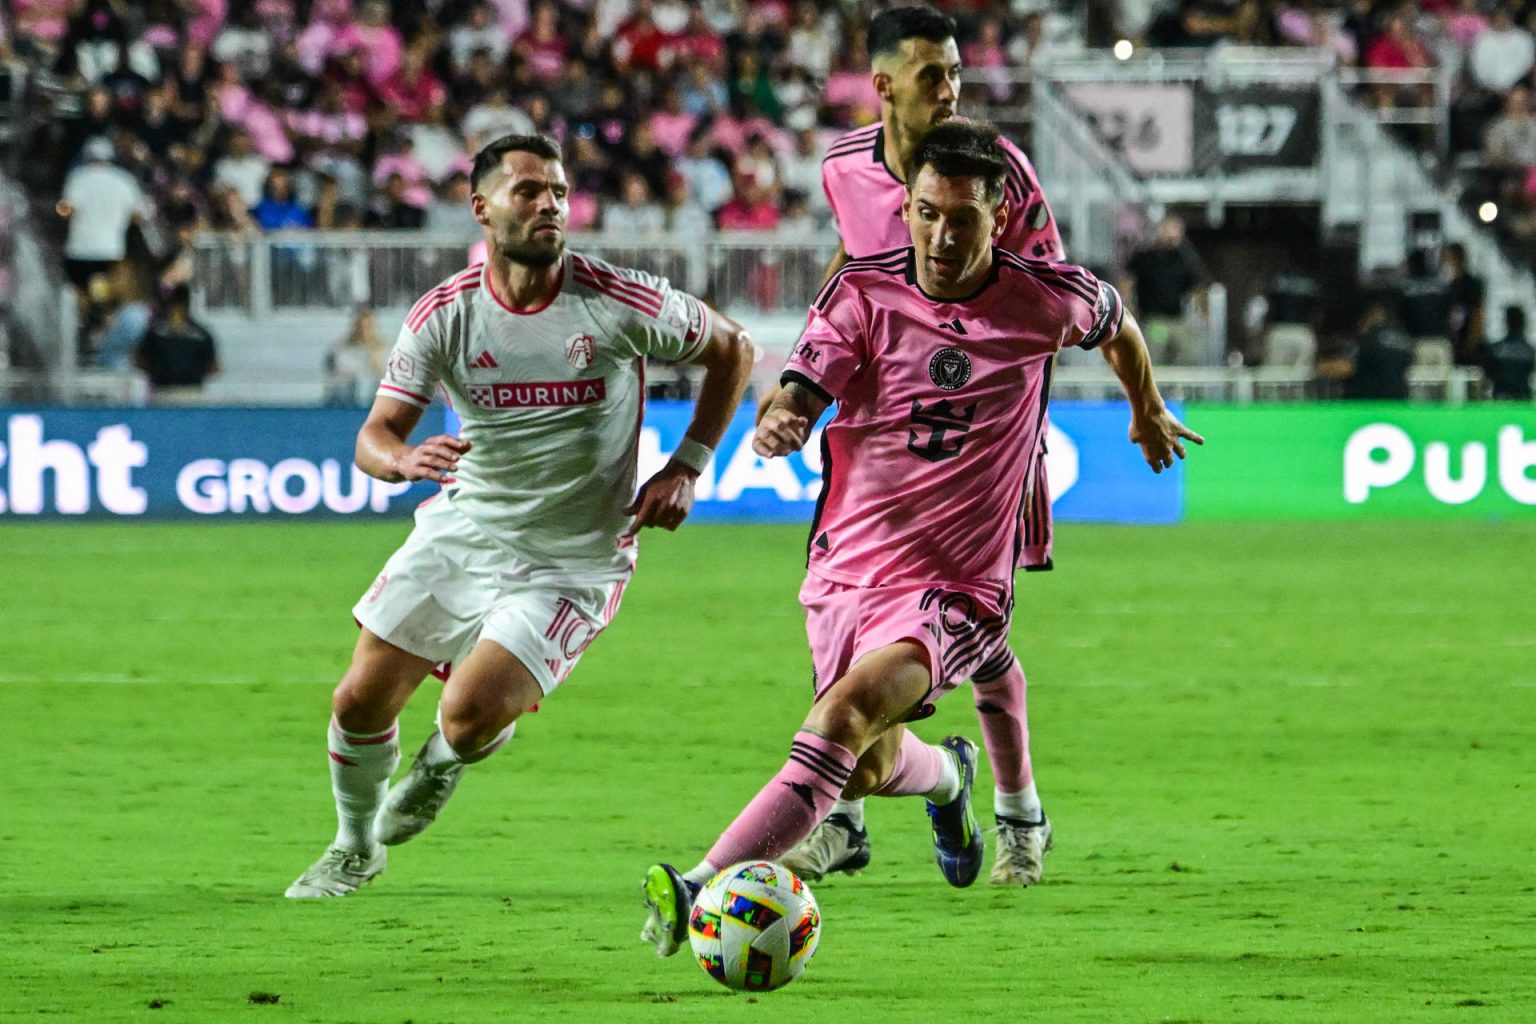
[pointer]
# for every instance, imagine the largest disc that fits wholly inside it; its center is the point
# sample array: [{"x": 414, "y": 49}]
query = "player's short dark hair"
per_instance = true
[
  {"x": 488, "y": 159},
  {"x": 962, "y": 148},
  {"x": 895, "y": 24}
]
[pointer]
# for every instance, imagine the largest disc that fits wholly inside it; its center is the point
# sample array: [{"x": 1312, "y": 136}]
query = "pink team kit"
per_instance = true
[
  {"x": 928, "y": 461},
  {"x": 858, "y": 184}
]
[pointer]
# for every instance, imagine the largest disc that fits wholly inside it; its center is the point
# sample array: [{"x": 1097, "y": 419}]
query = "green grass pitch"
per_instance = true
[{"x": 1290, "y": 769}]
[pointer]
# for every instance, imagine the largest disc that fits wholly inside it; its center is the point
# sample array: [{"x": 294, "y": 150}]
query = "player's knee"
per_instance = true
[
  {"x": 845, "y": 722},
  {"x": 867, "y": 778},
  {"x": 358, "y": 709},
  {"x": 469, "y": 726}
]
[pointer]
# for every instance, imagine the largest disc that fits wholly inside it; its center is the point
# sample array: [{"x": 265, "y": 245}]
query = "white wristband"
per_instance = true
[{"x": 693, "y": 454}]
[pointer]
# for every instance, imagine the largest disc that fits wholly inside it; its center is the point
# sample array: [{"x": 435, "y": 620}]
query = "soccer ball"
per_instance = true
[{"x": 754, "y": 926}]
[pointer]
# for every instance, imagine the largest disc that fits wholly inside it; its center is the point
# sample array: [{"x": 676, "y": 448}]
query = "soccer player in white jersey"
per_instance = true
[
  {"x": 521, "y": 560},
  {"x": 916, "y": 72},
  {"x": 909, "y": 576}
]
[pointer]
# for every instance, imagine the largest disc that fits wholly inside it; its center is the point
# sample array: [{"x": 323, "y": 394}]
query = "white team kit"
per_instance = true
[{"x": 527, "y": 545}]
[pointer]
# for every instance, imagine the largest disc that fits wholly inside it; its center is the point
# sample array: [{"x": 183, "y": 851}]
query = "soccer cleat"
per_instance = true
[
  {"x": 338, "y": 873},
  {"x": 834, "y": 845},
  {"x": 415, "y": 801},
  {"x": 958, "y": 846},
  {"x": 669, "y": 898},
  {"x": 1021, "y": 849}
]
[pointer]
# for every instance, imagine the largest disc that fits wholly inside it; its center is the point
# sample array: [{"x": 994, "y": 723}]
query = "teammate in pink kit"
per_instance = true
[
  {"x": 917, "y": 75},
  {"x": 518, "y": 564},
  {"x": 938, "y": 357}
]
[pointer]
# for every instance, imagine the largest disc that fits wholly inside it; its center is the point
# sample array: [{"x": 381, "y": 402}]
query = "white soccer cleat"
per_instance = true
[
  {"x": 1021, "y": 849},
  {"x": 833, "y": 845},
  {"x": 415, "y": 801},
  {"x": 338, "y": 873}
]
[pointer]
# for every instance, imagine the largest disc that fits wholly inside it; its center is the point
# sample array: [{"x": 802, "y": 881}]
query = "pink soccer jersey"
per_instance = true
[
  {"x": 940, "y": 407},
  {"x": 866, "y": 199}
]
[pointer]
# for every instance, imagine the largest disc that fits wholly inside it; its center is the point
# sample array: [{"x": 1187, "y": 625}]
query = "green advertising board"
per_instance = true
[{"x": 1361, "y": 460}]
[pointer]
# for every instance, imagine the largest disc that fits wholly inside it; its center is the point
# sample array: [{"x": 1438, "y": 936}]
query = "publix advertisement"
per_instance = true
[{"x": 1337, "y": 461}]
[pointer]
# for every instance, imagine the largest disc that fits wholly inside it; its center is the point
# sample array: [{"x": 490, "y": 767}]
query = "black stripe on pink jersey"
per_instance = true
[
  {"x": 1018, "y": 181},
  {"x": 1060, "y": 275},
  {"x": 854, "y": 142},
  {"x": 894, "y": 261},
  {"x": 994, "y": 666}
]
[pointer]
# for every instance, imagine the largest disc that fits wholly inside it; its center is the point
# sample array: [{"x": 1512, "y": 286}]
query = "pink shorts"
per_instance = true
[{"x": 960, "y": 626}]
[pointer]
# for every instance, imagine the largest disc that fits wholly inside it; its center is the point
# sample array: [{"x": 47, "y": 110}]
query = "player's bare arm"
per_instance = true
[
  {"x": 786, "y": 425},
  {"x": 666, "y": 498},
  {"x": 384, "y": 449},
  {"x": 1153, "y": 427}
]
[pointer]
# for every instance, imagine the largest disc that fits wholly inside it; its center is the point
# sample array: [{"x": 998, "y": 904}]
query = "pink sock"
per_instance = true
[
  {"x": 999, "y": 687},
  {"x": 918, "y": 769},
  {"x": 793, "y": 802}
]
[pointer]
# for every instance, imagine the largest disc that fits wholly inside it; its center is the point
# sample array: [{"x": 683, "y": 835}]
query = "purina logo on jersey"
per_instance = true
[
  {"x": 949, "y": 369},
  {"x": 580, "y": 350},
  {"x": 538, "y": 394}
]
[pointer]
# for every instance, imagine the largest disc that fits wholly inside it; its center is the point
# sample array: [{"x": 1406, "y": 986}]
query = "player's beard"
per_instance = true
[{"x": 529, "y": 252}]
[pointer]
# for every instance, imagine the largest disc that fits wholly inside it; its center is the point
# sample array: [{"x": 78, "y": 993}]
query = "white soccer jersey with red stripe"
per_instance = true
[{"x": 550, "y": 399}]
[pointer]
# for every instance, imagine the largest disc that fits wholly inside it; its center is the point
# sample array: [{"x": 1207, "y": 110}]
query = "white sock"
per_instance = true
[
  {"x": 360, "y": 769},
  {"x": 702, "y": 873},
  {"x": 948, "y": 789},
  {"x": 1025, "y": 805},
  {"x": 853, "y": 810}
]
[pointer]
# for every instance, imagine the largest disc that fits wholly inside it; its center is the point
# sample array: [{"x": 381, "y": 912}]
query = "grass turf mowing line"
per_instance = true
[{"x": 1289, "y": 769}]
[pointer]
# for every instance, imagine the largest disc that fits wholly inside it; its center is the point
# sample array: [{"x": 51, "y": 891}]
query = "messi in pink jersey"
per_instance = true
[
  {"x": 866, "y": 197},
  {"x": 940, "y": 405},
  {"x": 938, "y": 357}
]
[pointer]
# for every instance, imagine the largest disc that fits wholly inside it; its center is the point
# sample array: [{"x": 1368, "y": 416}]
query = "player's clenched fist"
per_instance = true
[
  {"x": 780, "y": 432},
  {"x": 436, "y": 458}
]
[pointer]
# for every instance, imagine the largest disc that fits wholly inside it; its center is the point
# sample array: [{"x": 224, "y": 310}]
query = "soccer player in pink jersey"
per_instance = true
[
  {"x": 938, "y": 357},
  {"x": 916, "y": 72},
  {"x": 521, "y": 560}
]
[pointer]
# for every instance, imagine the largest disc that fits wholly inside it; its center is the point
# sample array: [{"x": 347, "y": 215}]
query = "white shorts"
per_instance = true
[{"x": 449, "y": 586}]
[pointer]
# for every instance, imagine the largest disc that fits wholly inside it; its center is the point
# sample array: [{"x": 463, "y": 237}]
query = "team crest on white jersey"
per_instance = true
[{"x": 580, "y": 350}]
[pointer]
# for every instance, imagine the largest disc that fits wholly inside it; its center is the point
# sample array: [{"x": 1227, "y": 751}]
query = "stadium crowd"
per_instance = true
[{"x": 256, "y": 115}]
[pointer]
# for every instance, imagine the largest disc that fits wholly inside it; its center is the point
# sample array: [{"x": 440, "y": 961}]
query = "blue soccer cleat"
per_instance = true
[{"x": 958, "y": 846}]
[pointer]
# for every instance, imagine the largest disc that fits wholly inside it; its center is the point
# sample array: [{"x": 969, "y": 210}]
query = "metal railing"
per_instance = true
[{"x": 297, "y": 271}]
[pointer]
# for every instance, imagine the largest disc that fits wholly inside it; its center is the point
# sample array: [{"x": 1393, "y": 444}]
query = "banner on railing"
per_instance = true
[
  {"x": 291, "y": 463},
  {"x": 1187, "y": 129}
]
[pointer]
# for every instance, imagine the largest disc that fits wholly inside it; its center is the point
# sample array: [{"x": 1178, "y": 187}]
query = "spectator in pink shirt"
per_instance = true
[
  {"x": 413, "y": 90},
  {"x": 416, "y": 183},
  {"x": 382, "y": 47},
  {"x": 984, "y": 55},
  {"x": 752, "y": 208},
  {"x": 1398, "y": 48},
  {"x": 237, "y": 105},
  {"x": 542, "y": 47},
  {"x": 318, "y": 42},
  {"x": 671, "y": 124},
  {"x": 698, "y": 43},
  {"x": 205, "y": 23}
]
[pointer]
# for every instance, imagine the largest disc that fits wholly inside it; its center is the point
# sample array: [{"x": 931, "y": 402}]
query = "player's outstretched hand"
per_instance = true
[
  {"x": 780, "y": 432},
  {"x": 664, "y": 500},
  {"x": 436, "y": 458},
  {"x": 1160, "y": 437}
]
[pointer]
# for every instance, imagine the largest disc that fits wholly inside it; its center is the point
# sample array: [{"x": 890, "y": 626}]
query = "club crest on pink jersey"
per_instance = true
[
  {"x": 949, "y": 369},
  {"x": 580, "y": 350}
]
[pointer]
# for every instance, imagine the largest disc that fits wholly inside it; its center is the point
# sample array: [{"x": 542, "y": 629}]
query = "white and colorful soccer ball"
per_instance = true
[{"x": 754, "y": 926}]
